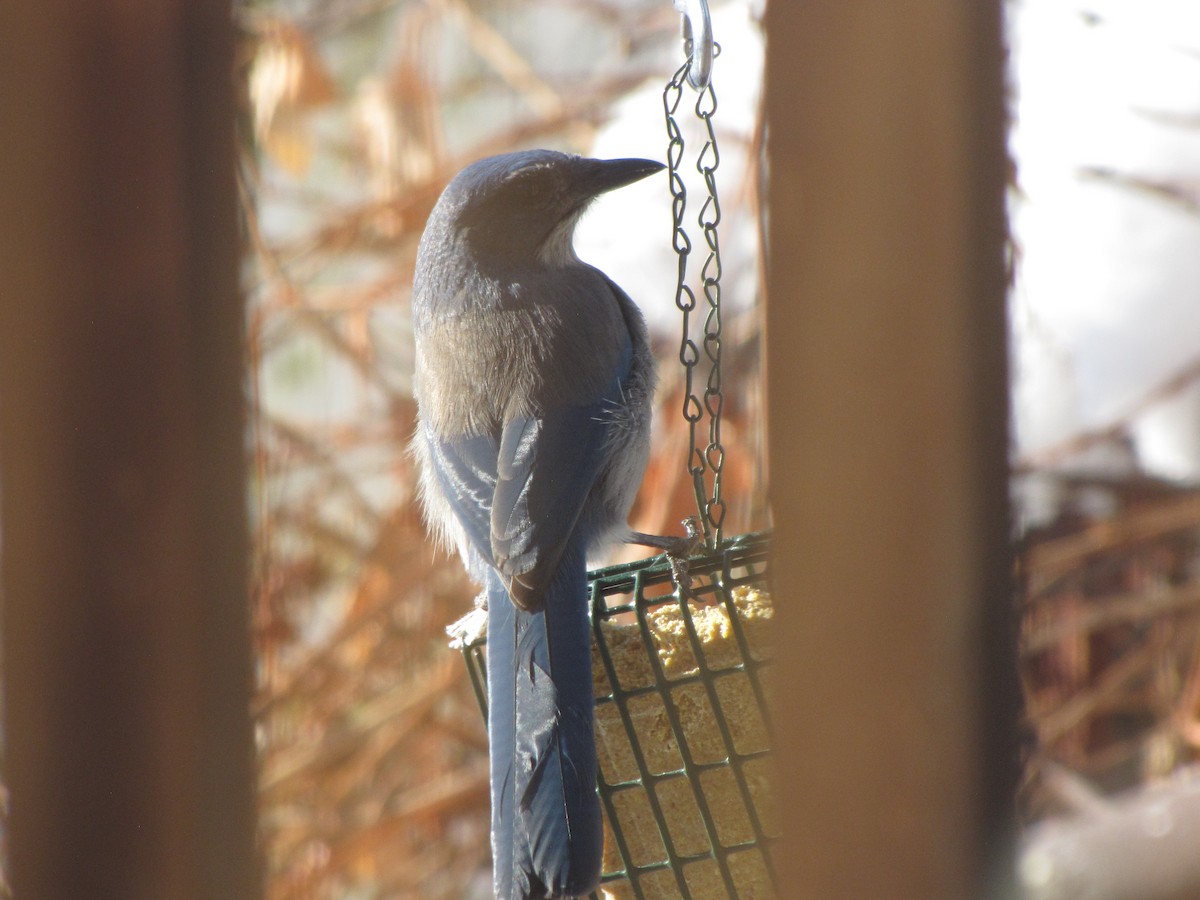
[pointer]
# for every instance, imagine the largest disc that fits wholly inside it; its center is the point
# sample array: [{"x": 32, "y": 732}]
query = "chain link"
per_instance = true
[{"x": 704, "y": 465}]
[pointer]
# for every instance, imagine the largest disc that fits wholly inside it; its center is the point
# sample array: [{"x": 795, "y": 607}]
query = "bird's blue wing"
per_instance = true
[
  {"x": 545, "y": 469},
  {"x": 518, "y": 495}
]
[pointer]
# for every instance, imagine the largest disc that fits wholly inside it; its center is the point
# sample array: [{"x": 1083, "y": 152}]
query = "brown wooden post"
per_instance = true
[
  {"x": 887, "y": 383},
  {"x": 127, "y": 668}
]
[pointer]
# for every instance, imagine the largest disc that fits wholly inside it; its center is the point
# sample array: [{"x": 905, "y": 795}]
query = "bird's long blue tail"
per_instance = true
[{"x": 546, "y": 829}]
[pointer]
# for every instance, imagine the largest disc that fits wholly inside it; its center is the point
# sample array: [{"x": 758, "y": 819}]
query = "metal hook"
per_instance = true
[{"x": 697, "y": 41}]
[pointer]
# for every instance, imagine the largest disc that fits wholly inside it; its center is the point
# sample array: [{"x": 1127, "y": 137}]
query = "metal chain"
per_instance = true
[
  {"x": 710, "y": 276},
  {"x": 703, "y": 465}
]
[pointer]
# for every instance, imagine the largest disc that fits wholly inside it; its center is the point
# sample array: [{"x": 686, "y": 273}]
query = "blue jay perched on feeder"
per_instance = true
[{"x": 534, "y": 382}]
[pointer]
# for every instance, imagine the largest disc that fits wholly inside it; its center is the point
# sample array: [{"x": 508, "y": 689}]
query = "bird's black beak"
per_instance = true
[{"x": 603, "y": 175}]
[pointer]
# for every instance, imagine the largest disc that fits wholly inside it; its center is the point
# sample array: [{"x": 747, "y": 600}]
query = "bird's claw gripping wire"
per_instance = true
[
  {"x": 471, "y": 628},
  {"x": 677, "y": 549}
]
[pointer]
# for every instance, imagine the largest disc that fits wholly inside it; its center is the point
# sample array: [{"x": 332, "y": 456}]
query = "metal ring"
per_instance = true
[{"x": 697, "y": 41}]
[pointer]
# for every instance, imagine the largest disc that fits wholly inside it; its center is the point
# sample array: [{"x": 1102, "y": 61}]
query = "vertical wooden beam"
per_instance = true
[
  {"x": 887, "y": 383},
  {"x": 122, "y": 495}
]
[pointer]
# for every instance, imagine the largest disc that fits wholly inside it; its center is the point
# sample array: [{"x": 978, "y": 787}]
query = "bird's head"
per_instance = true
[{"x": 524, "y": 205}]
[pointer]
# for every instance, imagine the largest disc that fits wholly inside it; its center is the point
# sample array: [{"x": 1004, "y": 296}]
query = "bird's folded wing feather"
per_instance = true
[
  {"x": 537, "y": 503},
  {"x": 466, "y": 471}
]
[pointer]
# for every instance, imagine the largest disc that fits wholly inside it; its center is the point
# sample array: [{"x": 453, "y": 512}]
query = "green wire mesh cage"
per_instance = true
[{"x": 682, "y": 723}]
